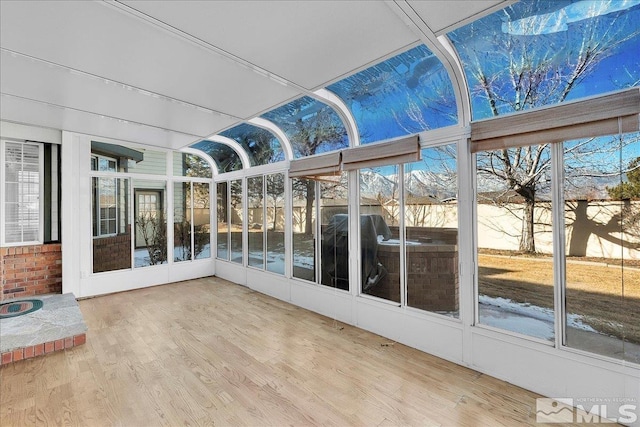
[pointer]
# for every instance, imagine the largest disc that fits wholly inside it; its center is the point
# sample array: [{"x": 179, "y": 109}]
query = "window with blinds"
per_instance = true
[{"x": 22, "y": 182}]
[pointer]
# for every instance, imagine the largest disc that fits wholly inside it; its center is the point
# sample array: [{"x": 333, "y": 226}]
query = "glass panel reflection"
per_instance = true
[
  {"x": 255, "y": 221},
  {"x": 380, "y": 238},
  {"x": 406, "y": 94},
  {"x": 334, "y": 244},
  {"x": 222, "y": 220},
  {"x": 275, "y": 192},
  {"x": 235, "y": 220},
  {"x": 515, "y": 251},
  {"x": 431, "y": 226},
  {"x": 260, "y": 144},
  {"x": 311, "y": 126},
  {"x": 182, "y": 221},
  {"x": 111, "y": 251},
  {"x": 541, "y": 52},
  {"x": 190, "y": 165},
  {"x": 304, "y": 231},
  {"x": 226, "y": 159},
  {"x": 602, "y": 235},
  {"x": 201, "y": 220},
  {"x": 150, "y": 223}
]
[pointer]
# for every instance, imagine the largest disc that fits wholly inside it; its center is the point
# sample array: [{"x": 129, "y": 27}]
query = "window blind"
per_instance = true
[
  {"x": 604, "y": 115},
  {"x": 396, "y": 151},
  {"x": 316, "y": 167}
]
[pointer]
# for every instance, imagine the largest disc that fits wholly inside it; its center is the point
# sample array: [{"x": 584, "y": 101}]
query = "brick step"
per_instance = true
[
  {"x": 38, "y": 325},
  {"x": 36, "y": 350}
]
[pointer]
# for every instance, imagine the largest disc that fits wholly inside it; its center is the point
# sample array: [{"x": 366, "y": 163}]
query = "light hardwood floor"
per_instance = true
[{"x": 209, "y": 352}]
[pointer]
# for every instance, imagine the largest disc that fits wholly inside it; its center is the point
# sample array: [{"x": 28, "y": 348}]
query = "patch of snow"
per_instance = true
[{"x": 523, "y": 318}]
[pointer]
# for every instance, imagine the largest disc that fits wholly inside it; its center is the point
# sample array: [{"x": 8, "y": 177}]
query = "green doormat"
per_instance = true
[{"x": 18, "y": 308}]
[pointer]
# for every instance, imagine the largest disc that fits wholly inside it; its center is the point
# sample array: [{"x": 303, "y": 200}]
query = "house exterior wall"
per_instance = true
[
  {"x": 30, "y": 270},
  {"x": 112, "y": 252}
]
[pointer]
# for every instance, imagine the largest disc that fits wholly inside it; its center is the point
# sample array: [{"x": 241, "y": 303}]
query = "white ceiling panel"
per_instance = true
[
  {"x": 34, "y": 79},
  {"x": 306, "y": 42},
  {"x": 102, "y": 40},
  {"x": 20, "y": 110},
  {"x": 444, "y": 15}
]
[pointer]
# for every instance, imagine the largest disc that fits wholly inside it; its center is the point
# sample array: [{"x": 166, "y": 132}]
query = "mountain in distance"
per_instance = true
[{"x": 418, "y": 183}]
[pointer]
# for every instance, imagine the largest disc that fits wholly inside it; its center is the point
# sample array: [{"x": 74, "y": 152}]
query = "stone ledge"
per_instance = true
[{"x": 56, "y": 326}]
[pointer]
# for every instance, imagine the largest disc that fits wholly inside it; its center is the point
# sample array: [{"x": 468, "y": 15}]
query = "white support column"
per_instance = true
[
  {"x": 559, "y": 270},
  {"x": 75, "y": 212},
  {"x": 467, "y": 258}
]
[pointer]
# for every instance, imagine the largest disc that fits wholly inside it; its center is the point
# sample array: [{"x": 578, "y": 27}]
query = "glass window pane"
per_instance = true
[
  {"x": 21, "y": 192},
  {"x": 275, "y": 222},
  {"x": 190, "y": 165},
  {"x": 182, "y": 250},
  {"x": 255, "y": 221},
  {"x": 335, "y": 234},
  {"x": 201, "y": 220},
  {"x": 380, "y": 238},
  {"x": 602, "y": 236},
  {"x": 111, "y": 234},
  {"x": 236, "y": 220},
  {"x": 311, "y": 126},
  {"x": 150, "y": 223},
  {"x": 515, "y": 253},
  {"x": 406, "y": 94},
  {"x": 304, "y": 231},
  {"x": 431, "y": 225},
  {"x": 222, "y": 220},
  {"x": 226, "y": 159},
  {"x": 260, "y": 144},
  {"x": 541, "y": 52}
]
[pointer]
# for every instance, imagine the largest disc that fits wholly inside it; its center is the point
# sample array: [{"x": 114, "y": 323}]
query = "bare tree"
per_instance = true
[
  {"x": 322, "y": 132},
  {"x": 530, "y": 70},
  {"x": 275, "y": 196}
]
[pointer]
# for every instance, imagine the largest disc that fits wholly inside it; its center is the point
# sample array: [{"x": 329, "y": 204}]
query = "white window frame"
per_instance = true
[
  {"x": 99, "y": 233},
  {"x": 40, "y": 239}
]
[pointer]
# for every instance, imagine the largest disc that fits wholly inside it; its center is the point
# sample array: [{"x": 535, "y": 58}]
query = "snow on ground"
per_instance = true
[{"x": 523, "y": 318}]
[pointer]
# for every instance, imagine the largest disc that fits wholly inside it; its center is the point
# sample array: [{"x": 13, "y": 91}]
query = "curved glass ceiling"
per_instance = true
[
  {"x": 227, "y": 160},
  {"x": 541, "y": 52},
  {"x": 311, "y": 126},
  {"x": 261, "y": 145},
  {"x": 406, "y": 94}
]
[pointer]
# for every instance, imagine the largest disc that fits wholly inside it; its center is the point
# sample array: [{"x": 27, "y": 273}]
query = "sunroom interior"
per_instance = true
[{"x": 461, "y": 179}]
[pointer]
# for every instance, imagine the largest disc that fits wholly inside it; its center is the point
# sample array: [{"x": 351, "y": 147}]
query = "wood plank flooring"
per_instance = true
[{"x": 209, "y": 352}]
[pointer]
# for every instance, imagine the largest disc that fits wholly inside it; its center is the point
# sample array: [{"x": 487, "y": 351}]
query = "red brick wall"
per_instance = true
[
  {"x": 112, "y": 253},
  {"x": 30, "y": 270},
  {"x": 432, "y": 276}
]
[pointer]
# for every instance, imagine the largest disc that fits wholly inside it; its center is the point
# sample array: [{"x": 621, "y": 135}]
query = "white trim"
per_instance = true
[
  {"x": 344, "y": 113},
  {"x": 22, "y": 132},
  {"x": 558, "y": 235}
]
